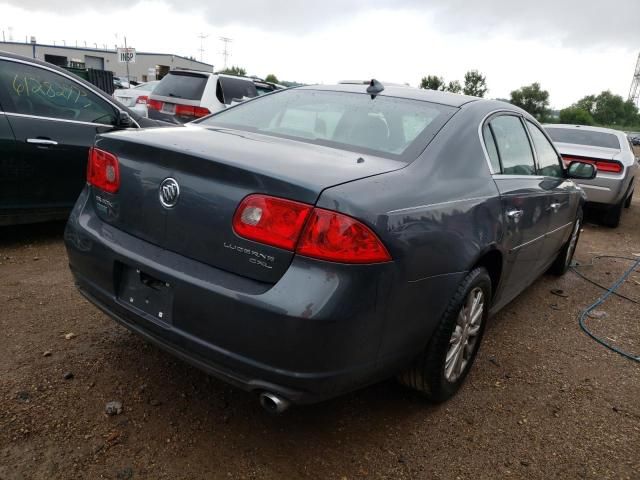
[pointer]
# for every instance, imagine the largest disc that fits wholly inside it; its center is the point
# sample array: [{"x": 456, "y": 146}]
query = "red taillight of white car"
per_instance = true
[
  {"x": 312, "y": 232},
  {"x": 103, "y": 170},
  {"x": 181, "y": 110},
  {"x": 142, "y": 100},
  {"x": 605, "y": 166}
]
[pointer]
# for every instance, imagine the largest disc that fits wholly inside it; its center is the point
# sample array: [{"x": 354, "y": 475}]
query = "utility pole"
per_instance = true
[
  {"x": 202, "y": 38},
  {"x": 634, "y": 91},
  {"x": 225, "y": 53},
  {"x": 127, "y": 62}
]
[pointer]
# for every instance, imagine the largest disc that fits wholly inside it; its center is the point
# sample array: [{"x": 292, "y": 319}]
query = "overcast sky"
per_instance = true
[{"x": 572, "y": 47}]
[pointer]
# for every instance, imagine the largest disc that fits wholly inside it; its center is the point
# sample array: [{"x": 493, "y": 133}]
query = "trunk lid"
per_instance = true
[
  {"x": 215, "y": 169},
  {"x": 587, "y": 151}
]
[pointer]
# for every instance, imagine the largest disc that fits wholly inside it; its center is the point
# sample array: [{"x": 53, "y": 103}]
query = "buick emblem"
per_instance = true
[{"x": 169, "y": 192}]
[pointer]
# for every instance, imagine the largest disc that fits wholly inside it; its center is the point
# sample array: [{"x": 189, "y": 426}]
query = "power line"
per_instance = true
[
  {"x": 202, "y": 38},
  {"x": 226, "y": 53}
]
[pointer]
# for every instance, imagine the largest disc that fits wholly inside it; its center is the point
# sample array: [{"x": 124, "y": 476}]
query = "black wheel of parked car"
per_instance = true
[
  {"x": 563, "y": 260},
  {"x": 627, "y": 203},
  {"x": 441, "y": 369},
  {"x": 611, "y": 217}
]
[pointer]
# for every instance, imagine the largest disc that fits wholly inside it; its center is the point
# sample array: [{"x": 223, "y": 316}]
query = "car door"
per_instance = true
[
  {"x": 54, "y": 120},
  {"x": 524, "y": 200},
  {"x": 562, "y": 199},
  {"x": 11, "y": 168}
]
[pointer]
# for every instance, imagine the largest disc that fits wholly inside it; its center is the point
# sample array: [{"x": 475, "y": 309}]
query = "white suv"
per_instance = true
[{"x": 184, "y": 95}]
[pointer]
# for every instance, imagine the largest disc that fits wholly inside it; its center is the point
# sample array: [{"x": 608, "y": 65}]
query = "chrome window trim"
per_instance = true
[
  {"x": 93, "y": 90},
  {"x": 52, "y": 119},
  {"x": 431, "y": 205},
  {"x": 481, "y": 136}
]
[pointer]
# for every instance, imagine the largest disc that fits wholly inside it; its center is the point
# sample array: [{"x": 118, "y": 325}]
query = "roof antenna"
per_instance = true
[{"x": 374, "y": 88}]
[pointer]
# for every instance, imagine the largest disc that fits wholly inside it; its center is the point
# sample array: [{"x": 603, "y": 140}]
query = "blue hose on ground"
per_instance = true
[{"x": 599, "y": 302}]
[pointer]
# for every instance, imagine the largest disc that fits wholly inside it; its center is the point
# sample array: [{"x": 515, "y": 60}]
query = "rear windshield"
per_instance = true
[
  {"x": 185, "y": 85},
  {"x": 583, "y": 137},
  {"x": 394, "y": 127}
]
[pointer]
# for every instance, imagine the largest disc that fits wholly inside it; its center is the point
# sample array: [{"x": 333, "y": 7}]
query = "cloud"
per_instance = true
[{"x": 574, "y": 23}]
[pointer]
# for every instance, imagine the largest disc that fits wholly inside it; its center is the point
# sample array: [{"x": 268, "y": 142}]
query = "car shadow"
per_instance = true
[{"x": 18, "y": 235}]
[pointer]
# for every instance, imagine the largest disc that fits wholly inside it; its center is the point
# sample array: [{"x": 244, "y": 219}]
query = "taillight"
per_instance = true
[
  {"x": 607, "y": 166},
  {"x": 154, "y": 104},
  {"x": 103, "y": 171},
  {"x": 191, "y": 111},
  {"x": 338, "y": 238},
  {"x": 269, "y": 220},
  {"x": 312, "y": 232},
  {"x": 142, "y": 99}
]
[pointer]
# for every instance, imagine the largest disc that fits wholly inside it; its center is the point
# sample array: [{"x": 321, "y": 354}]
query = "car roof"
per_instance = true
[
  {"x": 444, "y": 98},
  {"x": 583, "y": 127}
]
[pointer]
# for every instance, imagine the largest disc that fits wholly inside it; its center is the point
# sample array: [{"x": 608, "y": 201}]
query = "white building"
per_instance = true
[{"x": 147, "y": 66}]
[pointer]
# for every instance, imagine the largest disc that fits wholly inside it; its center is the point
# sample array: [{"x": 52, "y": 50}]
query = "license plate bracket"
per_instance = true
[
  {"x": 146, "y": 293},
  {"x": 169, "y": 108}
]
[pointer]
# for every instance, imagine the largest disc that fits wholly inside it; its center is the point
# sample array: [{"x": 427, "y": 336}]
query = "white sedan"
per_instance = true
[
  {"x": 136, "y": 98},
  {"x": 612, "y": 153}
]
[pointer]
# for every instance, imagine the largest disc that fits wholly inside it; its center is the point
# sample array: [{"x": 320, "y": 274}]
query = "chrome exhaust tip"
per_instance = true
[{"x": 273, "y": 403}]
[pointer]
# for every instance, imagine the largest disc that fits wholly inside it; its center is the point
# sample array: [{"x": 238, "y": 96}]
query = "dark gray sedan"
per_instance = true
[{"x": 315, "y": 240}]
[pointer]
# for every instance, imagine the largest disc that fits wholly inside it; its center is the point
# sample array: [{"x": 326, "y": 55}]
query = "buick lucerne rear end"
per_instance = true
[{"x": 313, "y": 241}]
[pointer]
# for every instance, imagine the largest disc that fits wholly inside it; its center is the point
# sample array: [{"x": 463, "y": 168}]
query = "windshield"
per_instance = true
[
  {"x": 187, "y": 85},
  {"x": 583, "y": 137},
  {"x": 395, "y": 127},
  {"x": 147, "y": 87}
]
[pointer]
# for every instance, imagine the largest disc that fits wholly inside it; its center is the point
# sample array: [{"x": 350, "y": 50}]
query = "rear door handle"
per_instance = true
[
  {"x": 41, "y": 141},
  {"x": 555, "y": 206},
  {"x": 515, "y": 214}
]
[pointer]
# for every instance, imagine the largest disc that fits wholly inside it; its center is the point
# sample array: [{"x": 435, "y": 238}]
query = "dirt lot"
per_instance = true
[{"x": 543, "y": 401}]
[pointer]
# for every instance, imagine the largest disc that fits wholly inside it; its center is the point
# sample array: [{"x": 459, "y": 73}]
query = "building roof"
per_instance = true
[{"x": 94, "y": 50}]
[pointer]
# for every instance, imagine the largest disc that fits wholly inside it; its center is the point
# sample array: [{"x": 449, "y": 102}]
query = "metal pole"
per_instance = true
[{"x": 125, "y": 49}]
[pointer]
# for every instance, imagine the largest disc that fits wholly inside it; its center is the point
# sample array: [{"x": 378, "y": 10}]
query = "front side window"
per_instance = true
[
  {"x": 513, "y": 146},
  {"x": 389, "y": 126},
  {"x": 548, "y": 161},
  {"x": 31, "y": 90}
]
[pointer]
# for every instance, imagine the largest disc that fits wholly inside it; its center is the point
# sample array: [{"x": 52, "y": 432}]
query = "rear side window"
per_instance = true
[
  {"x": 548, "y": 161},
  {"x": 513, "y": 146},
  {"x": 236, "y": 89},
  {"x": 492, "y": 150},
  {"x": 187, "y": 85},
  {"x": 395, "y": 127},
  {"x": 35, "y": 91},
  {"x": 583, "y": 137}
]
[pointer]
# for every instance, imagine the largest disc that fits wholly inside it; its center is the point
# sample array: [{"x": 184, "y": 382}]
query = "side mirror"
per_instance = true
[
  {"x": 124, "y": 120},
  {"x": 582, "y": 171}
]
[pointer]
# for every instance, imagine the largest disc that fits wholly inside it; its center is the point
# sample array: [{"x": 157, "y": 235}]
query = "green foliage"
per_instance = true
[
  {"x": 532, "y": 99},
  {"x": 454, "y": 86},
  {"x": 432, "y": 82},
  {"x": 475, "y": 84},
  {"x": 576, "y": 116},
  {"x": 234, "y": 70},
  {"x": 271, "y": 78},
  {"x": 609, "y": 109}
]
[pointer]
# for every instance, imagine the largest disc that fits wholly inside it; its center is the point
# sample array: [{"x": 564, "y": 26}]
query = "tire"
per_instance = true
[
  {"x": 627, "y": 203},
  {"x": 429, "y": 374},
  {"x": 611, "y": 218},
  {"x": 563, "y": 261}
]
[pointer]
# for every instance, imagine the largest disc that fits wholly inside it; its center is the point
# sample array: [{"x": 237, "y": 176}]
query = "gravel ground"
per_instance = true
[{"x": 543, "y": 401}]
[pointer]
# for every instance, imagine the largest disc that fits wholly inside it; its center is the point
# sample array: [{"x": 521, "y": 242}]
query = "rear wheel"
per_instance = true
[
  {"x": 563, "y": 260},
  {"x": 441, "y": 369},
  {"x": 611, "y": 217}
]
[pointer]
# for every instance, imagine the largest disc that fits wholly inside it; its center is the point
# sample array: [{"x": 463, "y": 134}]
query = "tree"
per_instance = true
[
  {"x": 609, "y": 109},
  {"x": 271, "y": 78},
  {"x": 432, "y": 82},
  {"x": 454, "y": 86},
  {"x": 576, "y": 116},
  {"x": 239, "y": 71},
  {"x": 532, "y": 99},
  {"x": 475, "y": 84}
]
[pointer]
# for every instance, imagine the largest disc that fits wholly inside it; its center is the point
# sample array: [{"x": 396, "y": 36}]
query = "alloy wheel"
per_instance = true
[{"x": 465, "y": 335}]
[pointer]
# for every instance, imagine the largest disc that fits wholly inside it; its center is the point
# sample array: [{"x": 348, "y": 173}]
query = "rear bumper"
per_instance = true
[
  {"x": 607, "y": 190},
  {"x": 323, "y": 329}
]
